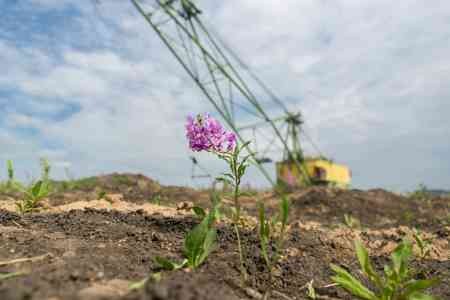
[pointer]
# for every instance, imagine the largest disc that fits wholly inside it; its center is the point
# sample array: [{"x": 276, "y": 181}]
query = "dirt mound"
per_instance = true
[
  {"x": 133, "y": 187},
  {"x": 375, "y": 207}
]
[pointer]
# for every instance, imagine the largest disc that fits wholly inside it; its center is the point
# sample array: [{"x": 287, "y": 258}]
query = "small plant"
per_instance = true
[
  {"x": 207, "y": 134},
  {"x": 311, "y": 292},
  {"x": 396, "y": 284},
  {"x": 69, "y": 183},
  {"x": 36, "y": 191},
  {"x": 101, "y": 194},
  {"x": 408, "y": 216},
  {"x": 423, "y": 245},
  {"x": 10, "y": 167},
  {"x": 32, "y": 196},
  {"x": 45, "y": 169},
  {"x": 156, "y": 199},
  {"x": 266, "y": 230},
  {"x": 421, "y": 193},
  {"x": 351, "y": 222},
  {"x": 11, "y": 185},
  {"x": 198, "y": 244}
]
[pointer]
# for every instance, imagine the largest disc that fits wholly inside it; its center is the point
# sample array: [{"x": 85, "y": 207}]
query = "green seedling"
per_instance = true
[
  {"x": 101, "y": 194},
  {"x": 199, "y": 212},
  {"x": 311, "y": 291},
  {"x": 45, "y": 169},
  {"x": 421, "y": 193},
  {"x": 156, "y": 200},
  {"x": 198, "y": 244},
  {"x": 266, "y": 229},
  {"x": 233, "y": 178},
  {"x": 11, "y": 184},
  {"x": 424, "y": 245},
  {"x": 351, "y": 222},
  {"x": 396, "y": 284},
  {"x": 10, "y": 167},
  {"x": 32, "y": 196}
]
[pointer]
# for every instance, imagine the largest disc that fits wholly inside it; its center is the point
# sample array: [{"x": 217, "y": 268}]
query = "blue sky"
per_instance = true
[{"x": 88, "y": 85}]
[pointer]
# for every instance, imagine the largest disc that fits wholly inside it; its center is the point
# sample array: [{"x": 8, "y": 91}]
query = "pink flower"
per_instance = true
[{"x": 207, "y": 134}]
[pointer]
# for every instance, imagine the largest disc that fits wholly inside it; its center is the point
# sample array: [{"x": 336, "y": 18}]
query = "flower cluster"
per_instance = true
[{"x": 206, "y": 134}]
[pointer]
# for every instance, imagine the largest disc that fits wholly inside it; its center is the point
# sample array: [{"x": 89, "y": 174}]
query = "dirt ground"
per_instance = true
[{"x": 93, "y": 240}]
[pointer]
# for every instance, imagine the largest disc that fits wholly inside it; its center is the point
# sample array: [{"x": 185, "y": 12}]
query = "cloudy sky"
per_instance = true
[{"x": 87, "y": 84}]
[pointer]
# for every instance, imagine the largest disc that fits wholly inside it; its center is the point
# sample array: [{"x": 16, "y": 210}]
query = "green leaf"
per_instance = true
[
  {"x": 284, "y": 210},
  {"x": 244, "y": 145},
  {"x": 208, "y": 245},
  {"x": 167, "y": 264},
  {"x": 244, "y": 160},
  {"x": 366, "y": 265},
  {"x": 415, "y": 286},
  {"x": 264, "y": 233},
  {"x": 241, "y": 170},
  {"x": 199, "y": 242},
  {"x": 223, "y": 179},
  {"x": 200, "y": 212},
  {"x": 400, "y": 258},
  {"x": 43, "y": 191},
  {"x": 10, "y": 170},
  {"x": 311, "y": 291},
  {"x": 421, "y": 296},
  {"x": 36, "y": 188},
  {"x": 351, "y": 284}
]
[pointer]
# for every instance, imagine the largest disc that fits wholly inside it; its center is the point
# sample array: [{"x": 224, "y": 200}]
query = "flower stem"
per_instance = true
[
  {"x": 237, "y": 217},
  {"x": 241, "y": 256}
]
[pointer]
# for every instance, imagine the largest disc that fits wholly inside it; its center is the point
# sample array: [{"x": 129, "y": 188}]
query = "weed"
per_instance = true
[
  {"x": 10, "y": 167},
  {"x": 266, "y": 230},
  {"x": 198, "y": 244},
  {"x": 408, "y": 216},
  {"x": 45, "y": 169},
  {"x": 396, "y": 284},
  {"x": 36, "y": 191},
  {"x": 351, "y": 222},
  {"x": 421, "y": 193},
  {"x": 101, "y": 194},
  {"x": 156, "y": 199},
  {"x": 233, "y": 178},
  {"x": 32, "y": 196},
  {"x": 311, "y": 291},
  {"x": 424, "y": 245},
  {"x": 11, "y": 184}
]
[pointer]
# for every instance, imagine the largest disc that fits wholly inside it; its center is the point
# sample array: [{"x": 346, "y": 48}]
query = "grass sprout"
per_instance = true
[
  {"x": 423, "y": 244},
  {"x": 36, "y": 191},
  {"x": 266, "y": 230},
  {"x": 351, "y": 222}
]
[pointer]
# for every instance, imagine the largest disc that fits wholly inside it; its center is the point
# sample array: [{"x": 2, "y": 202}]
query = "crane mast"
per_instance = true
[{"x": 214, "y": 68}]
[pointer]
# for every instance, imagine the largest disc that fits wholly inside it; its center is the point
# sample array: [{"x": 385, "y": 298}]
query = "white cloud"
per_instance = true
[{"x": 364, "y": 74}]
